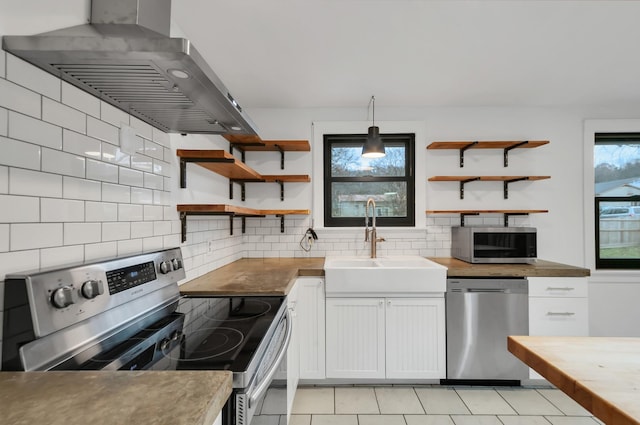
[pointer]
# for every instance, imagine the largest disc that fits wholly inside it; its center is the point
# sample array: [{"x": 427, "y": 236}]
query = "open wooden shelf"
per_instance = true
[
  {"x": 225, "y": 164},
  {"x": 245, "y": 143},
  {"x": 507, "y": 213},
  {"x": 232, "y": 211},
  {"x": 467, "y": 179},
  {"x": 506, "y": 145}
]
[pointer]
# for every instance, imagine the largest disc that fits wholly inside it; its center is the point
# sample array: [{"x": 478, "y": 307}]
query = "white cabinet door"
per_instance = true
[
  {"x": 415, "y": 338},
  {"x": 310, "y": 315},
  {"x": 355, "y": 338},
  {"x": 293, "y": 353}
]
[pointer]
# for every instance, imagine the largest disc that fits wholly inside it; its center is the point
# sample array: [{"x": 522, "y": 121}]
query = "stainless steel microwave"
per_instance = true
[{"x": 481, "y": 245}]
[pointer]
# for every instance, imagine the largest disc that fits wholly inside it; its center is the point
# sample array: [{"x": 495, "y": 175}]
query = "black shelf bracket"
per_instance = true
[
  {"x": 183, "y": 167},
  {"x": 506, "y": 185},
  {"x": 281, "y": 156},
  {"x": 463, "y": 182},
  {"x": 463, "y": 215},
  {"x": 183, "y": 226},
  {"x": 281, "y": 223},
  {"x": 281, "y": 183},
  {"x": 507, "y": 215},
  {"x": 506, "y": 151},
  {"x": 462, "y": 150}
]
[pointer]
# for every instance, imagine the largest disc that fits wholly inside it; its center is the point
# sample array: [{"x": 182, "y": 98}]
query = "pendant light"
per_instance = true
[{"x": 373, "y": 146}]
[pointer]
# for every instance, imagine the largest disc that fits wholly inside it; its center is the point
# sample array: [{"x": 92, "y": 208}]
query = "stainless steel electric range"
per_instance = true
[{"x": 127, "y": 314}]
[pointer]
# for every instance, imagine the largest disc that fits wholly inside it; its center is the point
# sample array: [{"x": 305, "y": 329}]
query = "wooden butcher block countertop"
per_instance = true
[
  {"x": 542, "y": 268},
  {"x": 113, "y": 398},
  {"x": 600, "y": 373},
  {"x": 254, "y": 276}
]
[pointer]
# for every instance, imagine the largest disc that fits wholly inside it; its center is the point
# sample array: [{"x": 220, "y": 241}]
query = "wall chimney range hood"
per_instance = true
[{"x": 126, "y": 57}]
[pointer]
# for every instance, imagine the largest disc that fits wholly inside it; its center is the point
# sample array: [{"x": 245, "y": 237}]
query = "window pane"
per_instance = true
[
  {"x": 617, "y": 169},
  {"x": 347, "y": 161},
  {"x": 350, "y": 199},
  {"x": 619, "y": 224}
]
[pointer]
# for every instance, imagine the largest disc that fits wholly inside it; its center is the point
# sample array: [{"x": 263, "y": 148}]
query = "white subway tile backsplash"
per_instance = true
[
  {"x": 64, "y": 116},
  {"x": 113, "y": 115},
  {"x": 130, "y": 212},
  {"x": 169, "y": 155},
  {"x": 19, "y": 209},
  {"x": 114, "y": 155},
  {"x": 153, "y": 213},
  {"x": 103, "y": 131},
  {"x": 141, "y": 196},
  {"x": 34, "y": 183},
  {"x": 61, "y": 210},
  {"x": 82, "y": 233},
  {"x": 62, "y": 163},
  {"x": 99, "y": 251},
  {"x": 97, "y": 170},
  {"x": 61, "y": 255},
  {"x": 80, "y": 100},
  {"x": 141, "y": 229},
  {"x": 161, "y": 228},
  {"x": 115, "y": 231},
  {"x": 153, "y": 150},
  {"x": 23, "y": 127},
  {"x": 35, "y": 235},
  {"x": 27, "y": 75},
  {"x": 80, "y": 144},
  {"x": 160, "y": 137},
  {"x": 4, "y": 179},
  {"x": 140, "y": 162},
  {"x": 116, "y": 193},
  {"x": 170, "y": 213},
  {"x": 160, "y": 197},
  {"x": 100, "y": 211},
  {"x": 169, "y": 241},
  {"x": 4, "y": 237},
  {"x": 131, "y": 177},
  {"x": 17, "y": 98},
  {"x": 161, "y": 168},
  {"x": 16, "y": 262},
  {"x": 4, "y": 122},
  {"x": 152, "y": 244},
  {"x": 74, "y": 188},
  {"x": 152, "y": 181},
  {"x": 142, "y": 128},
  {"x": 19, "y": 154},
  {"x": 130, "y": 247}
]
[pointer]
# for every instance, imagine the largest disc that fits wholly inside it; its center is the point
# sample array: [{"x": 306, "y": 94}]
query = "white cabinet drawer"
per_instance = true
[
  {"x": 558, "y": 317},
  {"x": 558, "y": 287}
]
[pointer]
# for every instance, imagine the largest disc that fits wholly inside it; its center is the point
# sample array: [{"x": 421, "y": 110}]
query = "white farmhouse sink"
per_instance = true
[{"x": 394, "y": 275}]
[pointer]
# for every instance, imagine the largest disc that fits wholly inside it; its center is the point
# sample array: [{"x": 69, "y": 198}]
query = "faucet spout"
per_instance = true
[{"x": 370, "y": 235}]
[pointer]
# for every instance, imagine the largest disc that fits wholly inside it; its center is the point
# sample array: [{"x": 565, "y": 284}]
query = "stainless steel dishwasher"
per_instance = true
[{"x": 481, "y": 313}]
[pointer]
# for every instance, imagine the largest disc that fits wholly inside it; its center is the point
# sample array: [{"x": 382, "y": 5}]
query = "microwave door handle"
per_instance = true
[{"x": 264, "y": 385}]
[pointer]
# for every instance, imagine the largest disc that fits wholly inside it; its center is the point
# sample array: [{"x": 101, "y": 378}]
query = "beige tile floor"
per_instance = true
[{"x": 435, "y": 405}]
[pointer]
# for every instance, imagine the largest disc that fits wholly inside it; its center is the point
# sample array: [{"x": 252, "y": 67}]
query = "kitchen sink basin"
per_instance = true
[{"x": 383, "y": 276}]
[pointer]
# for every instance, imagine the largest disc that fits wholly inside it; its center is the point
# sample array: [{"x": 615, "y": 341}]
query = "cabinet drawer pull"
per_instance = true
[
  {"x": 560, "y": 313},
  {"x": 555, "y": 288}
]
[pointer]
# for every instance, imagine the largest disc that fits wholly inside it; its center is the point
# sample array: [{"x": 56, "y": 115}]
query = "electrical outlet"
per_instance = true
[{"x": 210, "y": 247}]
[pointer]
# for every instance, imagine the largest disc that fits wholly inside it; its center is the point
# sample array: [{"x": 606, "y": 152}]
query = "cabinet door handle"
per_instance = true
[
  {"x": 389, "y": 303},
  {"x": 566, "y": 288},
  {"x": 381, "y": 303},
  {"x": 560, "y": 313}
]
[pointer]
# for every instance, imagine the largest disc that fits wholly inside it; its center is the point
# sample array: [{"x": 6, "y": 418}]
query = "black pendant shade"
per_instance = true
[{"x": 373, "y": 146}]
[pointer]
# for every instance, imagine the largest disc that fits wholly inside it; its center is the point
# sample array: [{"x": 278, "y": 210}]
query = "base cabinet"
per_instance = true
[
  {"x": 558, "y": 306},
  {"x": 385, "y": 338},
  {"x": 311, "y": 325}
]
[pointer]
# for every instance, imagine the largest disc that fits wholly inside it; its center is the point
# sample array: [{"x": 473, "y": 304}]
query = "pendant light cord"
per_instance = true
[{"x": 373, "y": 115}]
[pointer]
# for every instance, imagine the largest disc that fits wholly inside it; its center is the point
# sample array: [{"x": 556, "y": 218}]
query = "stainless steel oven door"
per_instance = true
[{"x": 266, "y": 396}]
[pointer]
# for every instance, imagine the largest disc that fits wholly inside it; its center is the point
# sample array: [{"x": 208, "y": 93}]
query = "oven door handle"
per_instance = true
[{"x": 264, "y": 385}]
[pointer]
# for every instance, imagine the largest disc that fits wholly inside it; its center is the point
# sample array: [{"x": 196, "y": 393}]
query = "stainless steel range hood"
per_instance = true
[{"x": 126, "y": 57}]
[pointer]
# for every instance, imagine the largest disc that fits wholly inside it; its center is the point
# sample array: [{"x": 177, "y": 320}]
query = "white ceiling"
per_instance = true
[{"x": 337, "y": 53}]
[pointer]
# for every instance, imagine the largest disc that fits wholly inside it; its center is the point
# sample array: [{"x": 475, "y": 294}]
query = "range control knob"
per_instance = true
[
  {"x": 175, "y": 335},
  {"x": 91, "y": 289},
  {"x": 63, "y": 297},
  {"x": 177, "y": 265},
  {"x": 165, "y": 344},
  {"x": 165, "y": 267}
]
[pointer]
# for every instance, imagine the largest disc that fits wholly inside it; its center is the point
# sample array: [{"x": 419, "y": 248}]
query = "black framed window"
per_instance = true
[
  {"x": 350, "y": 180},
  {"x": 617, "y": 200}
]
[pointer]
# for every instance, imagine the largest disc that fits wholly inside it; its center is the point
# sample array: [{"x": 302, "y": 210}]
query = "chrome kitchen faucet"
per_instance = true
[{"x": 371, "y": 233}]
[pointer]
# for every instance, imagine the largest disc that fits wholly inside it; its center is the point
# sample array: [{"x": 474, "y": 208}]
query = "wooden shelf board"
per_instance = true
[
  {"x": 229, "y": 166},
  {"x": 484, "y": 178},
  {"x": 292, "y": 178},
  {"x": 487, "y": 144},
  {"x": 485, "y": 211},
  {"x": 224, "y": 209},
  {"x": 255, "y": 143}
]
